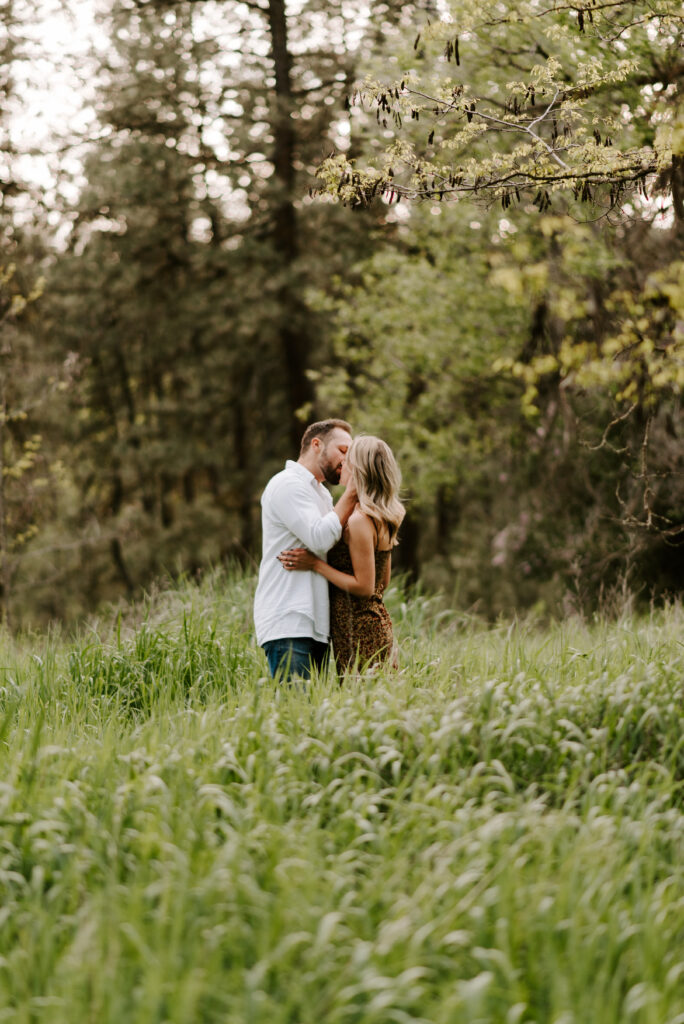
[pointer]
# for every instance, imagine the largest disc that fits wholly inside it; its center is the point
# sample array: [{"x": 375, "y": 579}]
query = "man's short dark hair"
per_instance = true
[{"x": 322, "y": 429}]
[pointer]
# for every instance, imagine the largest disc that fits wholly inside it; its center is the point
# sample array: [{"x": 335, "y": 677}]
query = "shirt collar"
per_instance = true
[{"x": 302, "y": 471}]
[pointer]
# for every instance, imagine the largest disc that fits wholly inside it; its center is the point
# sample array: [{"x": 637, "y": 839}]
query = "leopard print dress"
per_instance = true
[{"x": 360, "y": 627}]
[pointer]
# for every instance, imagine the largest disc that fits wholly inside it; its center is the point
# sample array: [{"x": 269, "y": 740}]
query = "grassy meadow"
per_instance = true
[{"x": 493, "y": 834}]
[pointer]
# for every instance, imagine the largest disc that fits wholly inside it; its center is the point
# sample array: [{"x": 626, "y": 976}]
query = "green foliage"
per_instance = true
[
  {"x": 32, "y": 389},
  {"x": 498, "y": 354},
  {"x": 613, "y": 341},
  {"x": 566, "y": 299},
  {"x": 636, "y": 354},
  {"x": 539, "y": 100},
  {"x": 200, "y": 302},
  {"x": 414, "y": 350},
  {"x": 182, "y": 288},
  {"x": 493, "y": 833}
]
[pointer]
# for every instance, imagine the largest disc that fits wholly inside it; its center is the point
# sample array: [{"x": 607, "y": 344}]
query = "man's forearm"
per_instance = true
[{"x": 346, "y": 505}]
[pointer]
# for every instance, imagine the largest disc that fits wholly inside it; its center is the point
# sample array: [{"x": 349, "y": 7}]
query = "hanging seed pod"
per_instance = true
[
  {"x": 456, "y": 53},
  {"x": 417, "y": 41},
  {"x": 431, "y": 137}
]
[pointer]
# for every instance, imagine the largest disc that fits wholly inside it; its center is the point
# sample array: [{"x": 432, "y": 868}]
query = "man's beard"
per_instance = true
[{"x": 331, "y": 473}]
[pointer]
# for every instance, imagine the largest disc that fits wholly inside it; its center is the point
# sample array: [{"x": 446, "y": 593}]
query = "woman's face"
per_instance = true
[{"x": 345, "y": 474}]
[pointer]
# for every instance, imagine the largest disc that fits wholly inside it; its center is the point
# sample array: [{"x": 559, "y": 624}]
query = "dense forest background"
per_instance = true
[{"x": 215, "y": 253}]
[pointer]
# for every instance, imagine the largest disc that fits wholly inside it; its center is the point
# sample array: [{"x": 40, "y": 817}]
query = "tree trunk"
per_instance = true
[
  {"x": 407, "y": 555},
  {"x": 447, "y": 514},
  {"x": 244, "y": 477},
  {"x": 115, "y": 546},
  {"x": 293, "y": 330},
  {"x": 4, "y": 559}
]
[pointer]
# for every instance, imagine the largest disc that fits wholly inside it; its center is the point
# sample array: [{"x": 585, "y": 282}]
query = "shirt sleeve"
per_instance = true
[{"x": 295, "y": 506}]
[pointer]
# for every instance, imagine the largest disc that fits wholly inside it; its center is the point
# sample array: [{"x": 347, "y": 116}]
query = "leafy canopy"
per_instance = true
[{"x": 521, "y": 99}]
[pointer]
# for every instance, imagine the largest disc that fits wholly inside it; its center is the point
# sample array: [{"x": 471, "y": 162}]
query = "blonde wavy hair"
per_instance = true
[{"x": 377, "y": 478}]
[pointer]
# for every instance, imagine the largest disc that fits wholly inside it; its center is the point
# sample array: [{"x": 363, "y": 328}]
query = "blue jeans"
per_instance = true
[{"x": 295, "y": 656}]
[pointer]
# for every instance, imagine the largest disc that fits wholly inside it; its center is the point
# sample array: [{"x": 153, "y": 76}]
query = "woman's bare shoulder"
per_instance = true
[
  {"x": 359, "y": 518},
  {"x": 360, "y": 523}
]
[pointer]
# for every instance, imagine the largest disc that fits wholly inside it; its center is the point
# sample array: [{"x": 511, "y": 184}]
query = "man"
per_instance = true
[{"x": 291, "y": 609}]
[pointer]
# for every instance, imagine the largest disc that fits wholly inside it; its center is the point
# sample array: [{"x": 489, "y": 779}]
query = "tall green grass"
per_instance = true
[{"x": 493, "y": 834}]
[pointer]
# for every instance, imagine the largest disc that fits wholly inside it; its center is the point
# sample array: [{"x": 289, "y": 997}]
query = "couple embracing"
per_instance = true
[{"x": 325, "y": 568}]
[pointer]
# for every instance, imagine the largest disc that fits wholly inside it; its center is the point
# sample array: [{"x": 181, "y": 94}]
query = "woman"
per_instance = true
[{"x": 359, "y": 565}]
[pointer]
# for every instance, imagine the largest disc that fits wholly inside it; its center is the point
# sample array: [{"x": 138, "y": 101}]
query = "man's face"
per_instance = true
[{"x": 331, "y": 456}]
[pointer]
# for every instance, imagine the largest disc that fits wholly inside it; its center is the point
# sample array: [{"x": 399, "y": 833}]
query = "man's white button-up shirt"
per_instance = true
[{"x": 296, "y": 511}]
